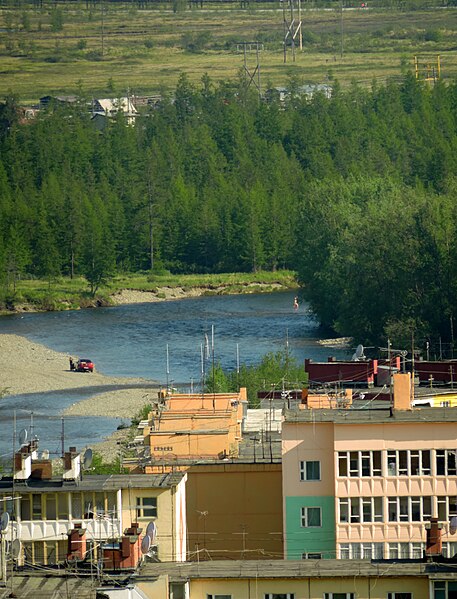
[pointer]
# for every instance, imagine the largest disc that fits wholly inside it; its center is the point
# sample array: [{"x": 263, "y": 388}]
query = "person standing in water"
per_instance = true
[{"x": 295, "y": 303}]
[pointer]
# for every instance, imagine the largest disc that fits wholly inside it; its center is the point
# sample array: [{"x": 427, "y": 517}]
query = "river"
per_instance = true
[{"x": 131, "y": 341}]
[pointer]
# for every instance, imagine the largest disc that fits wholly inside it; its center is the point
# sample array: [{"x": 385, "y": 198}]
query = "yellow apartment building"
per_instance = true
[{"x": 42, "y": 511}]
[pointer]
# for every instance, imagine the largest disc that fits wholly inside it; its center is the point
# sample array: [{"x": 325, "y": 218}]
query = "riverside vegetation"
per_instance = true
[{"x": 356, "y": 193}]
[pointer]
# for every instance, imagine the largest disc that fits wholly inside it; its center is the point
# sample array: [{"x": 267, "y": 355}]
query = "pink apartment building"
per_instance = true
[{"x": 364, "y": 483}]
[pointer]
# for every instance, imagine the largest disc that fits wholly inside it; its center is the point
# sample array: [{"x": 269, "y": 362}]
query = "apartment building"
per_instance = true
[
  {"x": 194, "y": 426},
  {"x": 44, "y": 509},
  {"x": 322, "y": 579},
  {"x": 364, "y": 483}
]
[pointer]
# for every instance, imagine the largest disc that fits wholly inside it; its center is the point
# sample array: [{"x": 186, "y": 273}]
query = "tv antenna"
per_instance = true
[
  {"x": 151, "y": 532},
  {"x": 87, "y": 459},
  {"x": 359, "y": 355},
  {"x": 4, "y": 521},
  {"x": 453, "y": 525},
  {"x": 145, "y": 544},
  {"x": 23, "y": 436}
]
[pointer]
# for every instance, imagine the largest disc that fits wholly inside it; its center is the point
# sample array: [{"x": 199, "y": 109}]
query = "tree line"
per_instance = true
[{"x": 355, "y": 192}]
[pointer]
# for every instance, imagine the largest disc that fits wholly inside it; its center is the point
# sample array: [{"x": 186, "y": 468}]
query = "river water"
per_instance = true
[{"x": 131, "y": 341}]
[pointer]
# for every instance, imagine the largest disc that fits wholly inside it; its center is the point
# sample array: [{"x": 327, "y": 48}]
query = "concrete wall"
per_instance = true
[
  {"x": 235, "y": 511},
  {"x": 302, "y": 588}
]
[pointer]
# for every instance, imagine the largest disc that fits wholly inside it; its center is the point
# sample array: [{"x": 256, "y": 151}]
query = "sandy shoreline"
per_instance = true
[
  {"x": 29, "y": 367},
  {"x": 134, "y": 296}
]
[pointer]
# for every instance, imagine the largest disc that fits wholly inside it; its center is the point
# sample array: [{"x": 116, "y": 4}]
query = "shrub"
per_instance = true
[{"x": 57, "y": 20}]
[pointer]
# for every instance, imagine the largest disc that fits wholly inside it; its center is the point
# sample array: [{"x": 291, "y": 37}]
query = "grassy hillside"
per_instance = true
[{"x": 72, "y": 49}]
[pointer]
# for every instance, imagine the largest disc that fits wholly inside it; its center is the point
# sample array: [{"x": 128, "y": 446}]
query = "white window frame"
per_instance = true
[
  {"x": 413, "y": 550},
  {"x": 355, "y": 512},
  {"x": 218, "y": 596},
  {"x": 331, "y": 595},
  {"x": 450, "y": 507},
  {"x": 360, "y": 464},
  {"x": 141, "y": 507},
  {"x": 279, "y": 596},
  {"x": 303, "y": 471},
  {"x": 407, "y": 458},
  {"x": 361, "y": 550},
  {"x": 312, "y": 555},
  {"x": 403, "y": 507},
  {"x": 305, "y": 517},
  {"x": 397, "y": 594},
  {"x": 445, "y": 455}
]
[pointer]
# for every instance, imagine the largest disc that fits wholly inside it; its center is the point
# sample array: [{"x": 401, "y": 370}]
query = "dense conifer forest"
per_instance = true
[{"x": 357, "y": 193}]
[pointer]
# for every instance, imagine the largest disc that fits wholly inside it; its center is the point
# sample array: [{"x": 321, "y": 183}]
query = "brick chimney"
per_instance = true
[
  {"x": 71, "y": 464},
  {"x": 402, "y": 391},
  {"x": 77, "y": 543},
  {"x": 23, "y": 463},
  {"x": 433, "y": 543}
]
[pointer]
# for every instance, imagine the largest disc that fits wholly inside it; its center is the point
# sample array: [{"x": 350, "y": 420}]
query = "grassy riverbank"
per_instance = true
[{"x": 72, "y": 294}]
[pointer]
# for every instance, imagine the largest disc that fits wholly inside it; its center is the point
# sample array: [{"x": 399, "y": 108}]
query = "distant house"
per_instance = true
[
  {"x": 308, "y": 91},
  {"x": 47, "y": 101},
  {"x": 109, "y": 107}
]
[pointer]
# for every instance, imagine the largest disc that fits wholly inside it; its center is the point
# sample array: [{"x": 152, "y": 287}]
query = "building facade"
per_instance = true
[
  {"x": 43, "y": 512},
  {"x": 363, "y": 484}
]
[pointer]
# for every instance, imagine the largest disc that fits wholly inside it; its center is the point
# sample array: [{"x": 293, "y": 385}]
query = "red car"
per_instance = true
[{"x": 85, "y": 365}]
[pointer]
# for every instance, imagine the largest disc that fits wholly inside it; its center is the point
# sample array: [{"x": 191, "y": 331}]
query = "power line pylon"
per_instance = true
[
  {"x": 251, "y": 75},
  {"x": 291, "y": 11}
]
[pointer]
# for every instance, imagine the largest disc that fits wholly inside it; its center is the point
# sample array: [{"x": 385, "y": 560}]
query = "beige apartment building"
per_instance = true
[{"x": 43, "y": 509}]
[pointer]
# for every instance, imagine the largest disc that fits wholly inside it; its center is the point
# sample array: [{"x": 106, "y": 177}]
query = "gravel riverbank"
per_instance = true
[{"x": 28, "y": 367}]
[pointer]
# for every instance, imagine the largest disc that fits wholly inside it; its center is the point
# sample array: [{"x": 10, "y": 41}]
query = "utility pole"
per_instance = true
[
  {"x": 292, "y": 26},
  {"x": 342, "y": 30}
]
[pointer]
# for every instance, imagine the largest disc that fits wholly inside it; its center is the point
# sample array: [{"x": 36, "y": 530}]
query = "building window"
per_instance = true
[
  {"x": 146, "y": 507},
  {"x": 409, "y": 509},
  {"x": 406, "y": 462},
  {"x": 406, "y": 550},
  {"x": 449, "y": 549},
  {"x": 444, "y": 589},
  {"x": 311, "y": 517},
  {"x": 360, "y": 509},
  {"x": 311, "y": 556},
  {"x": 447, "y": 508},
  {"x": 361, "y": 551},
  {"x": 279, "y": 596},
  {"x": 218, "y": 597},
  {"x": 359, "y": 463},
  {"x": 445, "y": 462},
  {"x": 399, "y": 595},
  {"x": 339, "y": 595},
  {"x": 310, "y": 470}
]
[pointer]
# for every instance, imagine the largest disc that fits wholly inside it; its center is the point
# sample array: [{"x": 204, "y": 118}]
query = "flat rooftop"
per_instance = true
[
  {"x": 97, "y": 482},
  {"x": 372, "y": 414},
  {"x": 268, "y": 569}
]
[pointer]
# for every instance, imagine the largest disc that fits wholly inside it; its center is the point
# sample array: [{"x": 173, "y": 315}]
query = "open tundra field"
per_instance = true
[{"x": 107, "y": 48}]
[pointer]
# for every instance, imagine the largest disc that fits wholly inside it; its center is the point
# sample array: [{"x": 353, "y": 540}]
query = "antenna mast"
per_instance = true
[{"x": 168, "y": 371}]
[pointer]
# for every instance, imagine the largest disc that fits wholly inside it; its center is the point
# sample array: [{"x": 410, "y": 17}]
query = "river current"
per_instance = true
[{"x": 131, "y": 341}]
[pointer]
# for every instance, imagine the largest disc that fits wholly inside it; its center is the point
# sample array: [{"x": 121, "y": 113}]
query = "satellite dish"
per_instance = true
[
  {"x": 359, "y": 355},
  {"x": 151, "y": 531},
  {"x": 45, "y": 455},
  {"x": 453, "y": 525},
  {"x": 4, "y": 521},
  {"x": 145, "y": 544},
  {"x": 23, "y": 436},
  {"x": 16, "y": 548},
  {"x": 87, "y": 458}
]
